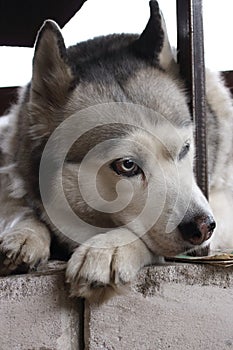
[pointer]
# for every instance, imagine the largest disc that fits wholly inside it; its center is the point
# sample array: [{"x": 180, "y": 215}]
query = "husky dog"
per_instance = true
[{"x": 97, "y": 157}]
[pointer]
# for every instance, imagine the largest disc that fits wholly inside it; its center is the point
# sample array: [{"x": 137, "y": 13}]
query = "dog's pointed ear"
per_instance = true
[
  {"x": 150, "y": 42},
  {"x": 52, "y": 76},
  {"x": 153, "y": 43}
]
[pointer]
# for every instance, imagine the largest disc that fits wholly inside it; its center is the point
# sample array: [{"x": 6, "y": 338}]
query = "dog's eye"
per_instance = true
[
  {"x": 126, "y": 167},
  {"x": 185, "y": 150}
]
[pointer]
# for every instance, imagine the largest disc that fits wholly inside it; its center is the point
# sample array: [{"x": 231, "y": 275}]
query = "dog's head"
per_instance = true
[{"x": 119, "y": 138}]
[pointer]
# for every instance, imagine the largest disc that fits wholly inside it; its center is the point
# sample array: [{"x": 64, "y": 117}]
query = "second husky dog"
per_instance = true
[{"x": 97, "y": 155}]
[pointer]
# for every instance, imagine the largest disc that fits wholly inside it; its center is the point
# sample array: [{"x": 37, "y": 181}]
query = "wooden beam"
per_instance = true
[
  {"x": 192, "y": 69},
  {"x": 20, "y": 20}
]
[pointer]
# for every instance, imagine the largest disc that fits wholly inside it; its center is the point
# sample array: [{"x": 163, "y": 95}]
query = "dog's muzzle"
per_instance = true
[{"x": 197, "y": 231}]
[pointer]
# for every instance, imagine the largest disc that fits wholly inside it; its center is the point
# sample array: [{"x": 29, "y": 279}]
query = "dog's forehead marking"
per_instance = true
[
  {"x": 149, "y": 87},
  {"x": 107, "y": 71}
]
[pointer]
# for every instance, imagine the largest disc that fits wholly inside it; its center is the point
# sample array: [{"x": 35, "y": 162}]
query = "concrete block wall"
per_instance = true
[
  {"x": 36, "y": 312},
  {"x": 175, "y": 306}
]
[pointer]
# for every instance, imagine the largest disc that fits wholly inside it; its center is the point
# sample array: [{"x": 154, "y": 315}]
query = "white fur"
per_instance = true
[
  {"x": 221, "y": 201},
  {"x": 221, "y": 183},
  {"x": 220, "y": 101}
]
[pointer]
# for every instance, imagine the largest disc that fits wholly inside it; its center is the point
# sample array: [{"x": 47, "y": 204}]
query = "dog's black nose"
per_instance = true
[{"x": 198, "y": 230}]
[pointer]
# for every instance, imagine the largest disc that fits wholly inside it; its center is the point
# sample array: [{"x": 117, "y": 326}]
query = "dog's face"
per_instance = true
[{"x": 127, "y": 129}]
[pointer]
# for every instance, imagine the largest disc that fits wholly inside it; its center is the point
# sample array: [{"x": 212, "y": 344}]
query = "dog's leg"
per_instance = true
[
  {"x": 25, "y": 242},
  {"x": 105, "y": 263}
]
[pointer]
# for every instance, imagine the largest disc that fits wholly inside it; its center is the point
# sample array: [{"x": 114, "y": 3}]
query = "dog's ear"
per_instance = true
[
  {"x": 153, "y": 43},
  {"x": 52, "y": 76}
]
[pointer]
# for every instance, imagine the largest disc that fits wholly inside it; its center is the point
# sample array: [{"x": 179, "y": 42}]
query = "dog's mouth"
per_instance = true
[{"x": 199, "y": 251}]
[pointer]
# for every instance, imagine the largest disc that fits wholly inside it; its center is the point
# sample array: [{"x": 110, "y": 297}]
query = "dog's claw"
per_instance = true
[{"x": 21, "y": 248}]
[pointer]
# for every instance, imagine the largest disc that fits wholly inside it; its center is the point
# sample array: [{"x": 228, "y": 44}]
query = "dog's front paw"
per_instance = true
[
  {"x": 22, "y": 248},
  {"x": 99, "y": 273},
  {"x": 99, "y": 269}
]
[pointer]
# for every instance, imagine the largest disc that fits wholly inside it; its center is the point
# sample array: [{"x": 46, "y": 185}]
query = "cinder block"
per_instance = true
[
  {"x": 37, "y": 314},
  {"x": 177, "y": 307}
]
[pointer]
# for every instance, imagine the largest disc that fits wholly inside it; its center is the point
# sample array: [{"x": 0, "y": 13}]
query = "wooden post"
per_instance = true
[{"x": 192, "y": 68}]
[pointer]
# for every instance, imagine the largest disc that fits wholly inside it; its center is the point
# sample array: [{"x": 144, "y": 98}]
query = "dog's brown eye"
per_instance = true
[{"x": 126, "y": 167}]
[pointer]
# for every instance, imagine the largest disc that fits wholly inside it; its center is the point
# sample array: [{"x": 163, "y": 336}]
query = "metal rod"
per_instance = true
[{"x": 192, "y": 68}]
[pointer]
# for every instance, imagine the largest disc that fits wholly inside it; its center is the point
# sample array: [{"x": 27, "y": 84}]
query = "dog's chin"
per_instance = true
[{"x": 202, "y": 250}]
